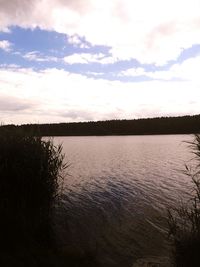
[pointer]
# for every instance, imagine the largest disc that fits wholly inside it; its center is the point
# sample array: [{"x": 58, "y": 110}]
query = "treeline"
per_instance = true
[{"x": 162, "y": 125}]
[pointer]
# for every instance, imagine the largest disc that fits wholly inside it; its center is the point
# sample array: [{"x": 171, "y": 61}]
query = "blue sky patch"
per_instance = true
[{"x": 41, "y": 49}]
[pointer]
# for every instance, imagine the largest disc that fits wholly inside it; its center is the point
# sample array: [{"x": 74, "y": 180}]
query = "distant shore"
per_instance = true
[{"x": 147, "y": 126}]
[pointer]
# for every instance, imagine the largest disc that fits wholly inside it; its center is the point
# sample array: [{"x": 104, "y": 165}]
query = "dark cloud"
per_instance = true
[
  {"x": 12, "y": 104},
  {"x": 15, "y": 11},
  {"x": 20, "y": 7},
  {"x": 32, "y": 13},
  {"x": 17, "y": 7},
  {"x": 78, "y": 5}
]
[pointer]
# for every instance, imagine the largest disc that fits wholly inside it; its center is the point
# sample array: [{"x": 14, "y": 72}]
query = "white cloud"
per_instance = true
[
  {"x": 133, "y": 72},
  {"x": 95, "y": 73},
  {"x": 77, "y": 58},
  {"x": 77, "y": 41},
  {"x": 9, "y": 66},
  {"x": 150, "y": 31},
  {"x": 36, "y": 56},
  {"x": 56, "y": 95},
  {"x": 5, "y": 45},
  {"x": 85, "y": 58},
  {"x": 187, "y": 70}
]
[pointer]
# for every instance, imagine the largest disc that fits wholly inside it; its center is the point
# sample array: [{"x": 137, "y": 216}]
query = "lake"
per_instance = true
[{"x": 117, "y": 191}]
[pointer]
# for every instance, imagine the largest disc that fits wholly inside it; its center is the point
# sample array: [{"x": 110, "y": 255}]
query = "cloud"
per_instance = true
[
  {"x": 54, "y": 95},
  {"x": 10, "y": 66},
  {"x": 77, "y": 41},
  {"x": 14, "y": 104},
  {"x": 149, "y": 31},
  {"x": 14, "y": 109},
  {"x": 187, "y": 70},
  {"x": 36, "y": 56},
  {"x": 94, "y": 73},
  {"x": 5, "y": 45},
  {"x": 133, "y": 72},
  {"x": 77, "y": 115},
  {"x": 85, "y": 58}
]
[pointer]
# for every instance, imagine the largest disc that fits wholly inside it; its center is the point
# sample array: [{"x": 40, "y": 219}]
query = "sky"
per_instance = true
[{"x": 89, "y": 60}]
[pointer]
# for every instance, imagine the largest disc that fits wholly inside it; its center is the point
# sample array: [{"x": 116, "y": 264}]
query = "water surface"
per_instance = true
[{"x": 117, "y": 191}]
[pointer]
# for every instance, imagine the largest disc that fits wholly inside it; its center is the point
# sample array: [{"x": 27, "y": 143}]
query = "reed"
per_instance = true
[
  {"x": 31, "y": 171},
  {"x": 184, "y": 221},
  {"x": 31, "y": 176}
]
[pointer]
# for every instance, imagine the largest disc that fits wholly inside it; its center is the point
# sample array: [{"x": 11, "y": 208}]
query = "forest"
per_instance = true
[{"x": 147, "y": 126}]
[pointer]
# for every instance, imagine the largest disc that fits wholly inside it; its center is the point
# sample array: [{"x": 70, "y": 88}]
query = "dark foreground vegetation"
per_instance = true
[
  {"x": 184, "y": 221},
  {"x": 31, "y": 173},
  {"x": 163, "y": 125}
]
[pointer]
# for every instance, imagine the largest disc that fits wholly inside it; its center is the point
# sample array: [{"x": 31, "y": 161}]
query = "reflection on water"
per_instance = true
[{"x": 117, "y": 192}]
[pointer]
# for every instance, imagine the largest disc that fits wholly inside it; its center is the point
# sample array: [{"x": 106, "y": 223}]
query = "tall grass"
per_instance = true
[
  {"x": 31, "y": 175},
  {"x": 31, "y": 171},
  {"x": 184, "y": 221}
]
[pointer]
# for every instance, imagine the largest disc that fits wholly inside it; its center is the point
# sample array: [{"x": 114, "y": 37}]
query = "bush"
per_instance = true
[
  {"x": 31, "y": 172},
  {"x": 184, "y": 221}
]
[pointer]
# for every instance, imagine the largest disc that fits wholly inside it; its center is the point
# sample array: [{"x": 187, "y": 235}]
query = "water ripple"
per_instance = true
[{"x": 117, "y": 193}]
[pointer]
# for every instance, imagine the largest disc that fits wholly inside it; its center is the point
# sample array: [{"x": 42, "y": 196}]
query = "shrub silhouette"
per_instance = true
[
  {"x": 184, "y": 221},
  {"x": 31, "y": 172}
]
